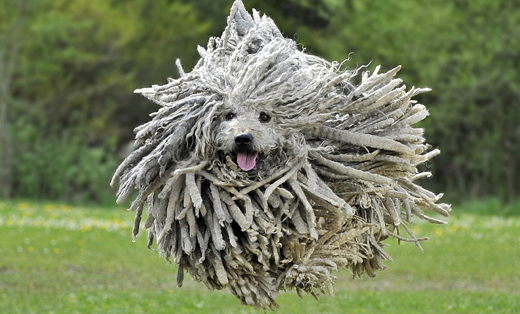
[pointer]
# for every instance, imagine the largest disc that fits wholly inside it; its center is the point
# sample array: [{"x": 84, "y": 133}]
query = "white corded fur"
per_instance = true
[{"x": 335, "y": 178}]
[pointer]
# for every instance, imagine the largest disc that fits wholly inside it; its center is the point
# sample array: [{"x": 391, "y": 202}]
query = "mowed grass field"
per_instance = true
[{"x": 60, "y": 259}]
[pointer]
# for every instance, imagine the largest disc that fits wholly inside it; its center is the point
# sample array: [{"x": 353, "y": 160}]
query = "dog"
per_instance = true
[{"x": 266, "y": 168}]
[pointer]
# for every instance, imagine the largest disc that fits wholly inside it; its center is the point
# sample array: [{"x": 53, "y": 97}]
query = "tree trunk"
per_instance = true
[
  {"x": 9, "y": 45},
  {"x": 6, "y": 155}
]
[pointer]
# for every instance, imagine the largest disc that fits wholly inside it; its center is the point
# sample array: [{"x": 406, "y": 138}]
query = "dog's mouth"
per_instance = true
[{"x": 246, "y": 160}]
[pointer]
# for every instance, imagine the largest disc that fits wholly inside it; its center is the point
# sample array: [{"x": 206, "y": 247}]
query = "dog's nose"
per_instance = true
[{"x": 244, "y": 140}]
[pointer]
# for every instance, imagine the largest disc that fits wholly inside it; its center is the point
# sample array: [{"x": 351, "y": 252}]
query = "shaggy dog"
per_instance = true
[{"x": 267, "y": 168}]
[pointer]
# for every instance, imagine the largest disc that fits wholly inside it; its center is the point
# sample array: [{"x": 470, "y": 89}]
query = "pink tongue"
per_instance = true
[{"x": 246, "y": 161}]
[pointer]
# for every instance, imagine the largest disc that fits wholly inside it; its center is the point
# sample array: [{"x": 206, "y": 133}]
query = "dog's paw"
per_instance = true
[{"x": 313, "y": 279}]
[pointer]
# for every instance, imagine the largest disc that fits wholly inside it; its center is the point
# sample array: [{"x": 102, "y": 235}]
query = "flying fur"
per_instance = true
[{"x": 333, "y": 158}]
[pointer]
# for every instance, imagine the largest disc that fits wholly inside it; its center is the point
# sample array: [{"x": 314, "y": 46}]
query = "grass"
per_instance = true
[{"x": 60, "y": 259}]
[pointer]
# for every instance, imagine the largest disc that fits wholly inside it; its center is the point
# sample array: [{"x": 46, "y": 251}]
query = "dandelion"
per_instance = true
[
  {"x": 30, "y": 249},
  {"x": 454, "y": 228},
  {"x": 56, "y": 250},
  {"x": 65, "y": 208},
  {"x": 22, "y": 206}
]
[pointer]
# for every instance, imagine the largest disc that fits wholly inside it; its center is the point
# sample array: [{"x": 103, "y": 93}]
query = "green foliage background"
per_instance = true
[{"x": 69, "y": 109}]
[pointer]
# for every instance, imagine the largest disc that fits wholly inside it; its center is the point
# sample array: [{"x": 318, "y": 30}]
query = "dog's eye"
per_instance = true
[
  {"x": 230, "y": 116},
  {"x": 264, "y": 117}
]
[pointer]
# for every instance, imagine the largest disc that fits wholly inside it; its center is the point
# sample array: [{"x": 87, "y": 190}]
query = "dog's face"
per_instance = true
[{"x": 251, "y": 136}]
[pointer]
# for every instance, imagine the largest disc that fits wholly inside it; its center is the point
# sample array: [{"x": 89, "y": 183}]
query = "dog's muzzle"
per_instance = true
[{"x": 246, "y": 156}]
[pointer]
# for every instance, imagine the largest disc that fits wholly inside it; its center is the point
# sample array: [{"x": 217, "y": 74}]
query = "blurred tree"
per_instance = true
[
  {"x": 68, "y": 68},
  {"x": 166, "y": 31},
  {"x": 78, "y": 62},
  {"x": 307, "y": 20},
  {"x": 11, "y": 15},
  {"x": 469, "y": 53}
]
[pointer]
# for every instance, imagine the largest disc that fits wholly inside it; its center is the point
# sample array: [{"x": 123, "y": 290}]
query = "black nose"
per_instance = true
[{"x": 244, "y": 141}]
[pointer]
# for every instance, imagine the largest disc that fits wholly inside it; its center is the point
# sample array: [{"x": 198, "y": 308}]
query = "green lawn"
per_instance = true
[{"x": 60, "y": 259}]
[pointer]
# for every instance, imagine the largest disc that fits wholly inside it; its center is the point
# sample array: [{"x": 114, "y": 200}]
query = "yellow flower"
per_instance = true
[
  {"x": 454, "y": 228},
  {"x": 56, "y": 250},
  {"x": 30, "y": 249},
  {"x": 23, "y": 206},
  {"x": 66, "y": 208}
]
